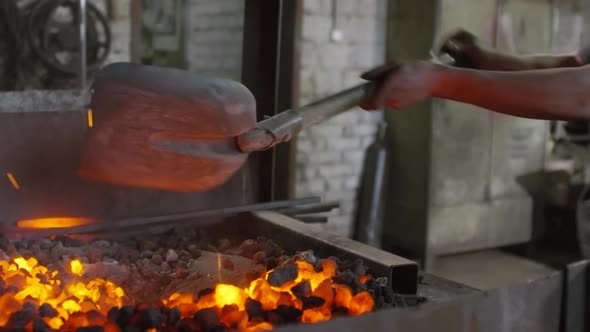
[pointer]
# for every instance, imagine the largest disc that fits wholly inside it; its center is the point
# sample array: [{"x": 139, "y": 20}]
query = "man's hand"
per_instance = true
[
  {"x": 464, "y": 47},
  {"x": 402, "y": 85}
]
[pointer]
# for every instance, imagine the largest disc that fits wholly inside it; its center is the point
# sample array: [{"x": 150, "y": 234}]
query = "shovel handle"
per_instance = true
[{"x": 283, "y": 126}]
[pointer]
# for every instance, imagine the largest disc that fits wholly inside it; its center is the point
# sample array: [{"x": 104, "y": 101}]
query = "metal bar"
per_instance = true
[
  {"x": 83, "y": 58},
  {"x": 318, "y": 208},
  {"x": 171, "y": 219},
  {"x": 312, "y": 219},
  {"x": 291, "y": 233}
]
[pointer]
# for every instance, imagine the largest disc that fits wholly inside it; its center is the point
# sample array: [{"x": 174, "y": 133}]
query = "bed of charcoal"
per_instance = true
[{"x": 150, "y": 269}]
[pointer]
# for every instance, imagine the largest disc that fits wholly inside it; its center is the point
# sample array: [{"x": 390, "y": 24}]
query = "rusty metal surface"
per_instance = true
[
  {"x": 528, "y": 307},
  {"x": 292, "y": 234}
]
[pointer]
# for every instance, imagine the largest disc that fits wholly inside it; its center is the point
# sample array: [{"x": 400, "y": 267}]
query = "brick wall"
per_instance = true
[
  {"x": 330, "y": 155},
  {"x": 214, "y": 37}
]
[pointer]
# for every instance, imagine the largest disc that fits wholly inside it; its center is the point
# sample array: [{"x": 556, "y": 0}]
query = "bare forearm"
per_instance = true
[
  {"x": 496, "y": 61},
  {"x": 552, "y": 94}
]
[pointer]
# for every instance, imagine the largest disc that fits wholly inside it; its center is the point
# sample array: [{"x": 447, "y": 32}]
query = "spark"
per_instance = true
[
  {"x": 90, "y": 118},
  {"x": 219, "y": 265},
  {"x": 13, "y": 181}
]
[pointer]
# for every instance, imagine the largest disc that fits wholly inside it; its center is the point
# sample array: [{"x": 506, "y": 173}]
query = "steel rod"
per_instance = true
[
  {"x": 170, "y": 219},
  {"x": 317, "y": 208}
]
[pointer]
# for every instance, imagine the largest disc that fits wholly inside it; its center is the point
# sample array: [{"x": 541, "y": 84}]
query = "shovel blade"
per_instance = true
[{"x": 166, "y": 129}]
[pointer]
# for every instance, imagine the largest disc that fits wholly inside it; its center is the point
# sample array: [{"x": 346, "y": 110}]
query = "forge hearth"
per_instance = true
[{"x": 195, "y": 280}]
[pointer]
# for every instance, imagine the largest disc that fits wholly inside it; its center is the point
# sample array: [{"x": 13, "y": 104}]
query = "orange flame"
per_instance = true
[{"x": 54, "y": 222}]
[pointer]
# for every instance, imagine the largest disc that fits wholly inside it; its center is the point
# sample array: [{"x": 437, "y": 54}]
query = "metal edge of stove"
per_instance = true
[
  {"x": 528, "y": 306},
  {"x": 576, "y": 305},
  {"x": 402, "y": 273}
]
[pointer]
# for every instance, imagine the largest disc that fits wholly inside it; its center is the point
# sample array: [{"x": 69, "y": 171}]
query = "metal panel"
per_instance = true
[
  {"x": 576, "y": 307},
  {"x": 474, "y": 226},
  {"x": 531, "y": 306}
]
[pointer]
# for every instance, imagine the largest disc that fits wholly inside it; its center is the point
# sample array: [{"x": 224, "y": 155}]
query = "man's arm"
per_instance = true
[
  {"x": 497, "y": 61},
  {"x": 550, "y": 94},
  {"x": 469, "y": 53}
]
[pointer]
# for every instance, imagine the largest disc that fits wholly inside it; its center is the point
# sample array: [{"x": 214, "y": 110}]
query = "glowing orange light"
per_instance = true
[
  {"x": 53, "y": 222},
  {"x": 90, "y": 118},
  {"x": 71, "y": 299},
  {"x": 76, "y": 267},
  {"x": 229, "y": 294},
  {"x": 81, "y": 303},
  {"x": 13, "y": 181}
]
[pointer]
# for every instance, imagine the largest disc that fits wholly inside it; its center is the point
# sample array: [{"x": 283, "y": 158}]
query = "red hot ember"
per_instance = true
[{"x": 298, "y": 289}]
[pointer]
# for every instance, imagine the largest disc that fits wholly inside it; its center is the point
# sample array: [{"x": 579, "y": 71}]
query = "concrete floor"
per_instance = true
[{"x": 488, "y": 269}]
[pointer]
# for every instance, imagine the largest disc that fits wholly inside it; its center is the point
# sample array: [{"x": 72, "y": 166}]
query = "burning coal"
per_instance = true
[
  {"x": 181, "y": 288},
  {"x": 295, "y": 292},
  {"x": 59, "y": 300}
]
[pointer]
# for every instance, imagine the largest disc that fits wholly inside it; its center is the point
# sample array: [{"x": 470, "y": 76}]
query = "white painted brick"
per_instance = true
[
  {"x": 356, "y": 156},
  {"x": 304, "y": 144},
  {"x": 310, "y": 172},
  {"x": 338, "y": 145},
  {"x": 321, "y": 144},
  {"x": 344, "y": 119},
  {"x": 341, "y": 196},
  {"x": 368, "y": 116},
  {"x": 364, "y": 57},
  {"x": 362, "y": 129},
  {"x": 336, "y": 184},
  {"x": 328, "y": 82},
  {"x": 310, "y": 55},
  {"x": 368, "y": 8},
  {"x": 307, "y": 85},
  {"x": 335, "y": 171},
  {"x": 323, "y": 158},
  {"x": 366, "y": 129},
  {"x": 316, "y": 28},
  {"x": 317, "y": 7},
  {"x": 357, "y": 30},
  {"x": 346, "y": 7},
  {"x": 334, "y": 55},
  {"x": 316, "y": 186},
  {"x": 344, "y": 144},
  {"x": 216, "y": 37},
  {"x": 352, "y": 183},
  {"x": 325, "y": 130},
  {"x": 207, "y": 7}
]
